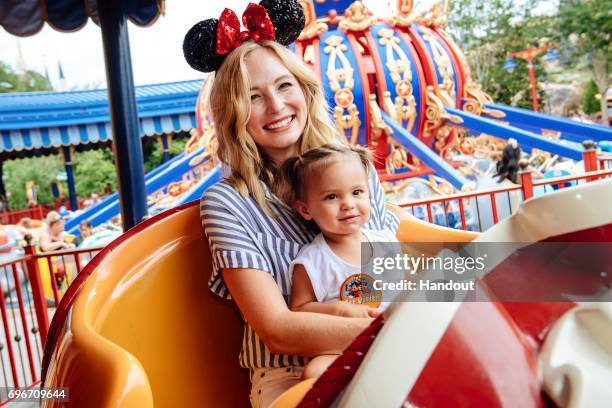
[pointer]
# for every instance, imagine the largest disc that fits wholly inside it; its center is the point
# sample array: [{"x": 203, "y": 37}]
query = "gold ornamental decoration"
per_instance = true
[
  {"x": 357, "y": 18},
  {"x": 437, "y": 16},
  {"x": 436, "y": 117},
  {"x": 447, "y": 87},
  {"x": 341, "y": 81},
  {"x": 403, "y": 109},
  {"x": 406, "y": 15},
  {"x": 377, "y": 123},
  {"x": 313, "y": 28}
]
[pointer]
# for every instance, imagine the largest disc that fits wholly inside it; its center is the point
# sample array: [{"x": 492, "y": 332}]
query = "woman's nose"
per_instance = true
[{"x": 275, "y": 103}]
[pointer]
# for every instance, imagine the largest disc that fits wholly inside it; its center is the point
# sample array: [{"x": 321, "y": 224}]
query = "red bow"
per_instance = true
[{"x": 258, "y": 28}]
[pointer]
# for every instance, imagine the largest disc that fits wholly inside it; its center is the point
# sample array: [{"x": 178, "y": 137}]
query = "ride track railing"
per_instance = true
[
  {"x": 604, "y": 161},
  {"x": 486, "y": 203},
  {"x": 32, "y": 287},
  {"x": 13, "y": 217}
]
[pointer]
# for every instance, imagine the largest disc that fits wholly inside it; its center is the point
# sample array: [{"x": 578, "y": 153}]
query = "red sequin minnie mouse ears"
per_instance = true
[{"x": 208, "y": 42}]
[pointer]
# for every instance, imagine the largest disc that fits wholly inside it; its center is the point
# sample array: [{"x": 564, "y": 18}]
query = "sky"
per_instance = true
[{"x": 156, "y": 51}]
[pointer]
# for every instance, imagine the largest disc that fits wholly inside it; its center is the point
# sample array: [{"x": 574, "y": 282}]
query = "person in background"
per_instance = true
[
  {"x": 85, "y": 229},
  {"x": 54, "y": 237}
]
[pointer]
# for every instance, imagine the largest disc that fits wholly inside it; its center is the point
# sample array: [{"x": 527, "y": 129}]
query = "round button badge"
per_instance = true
[{"x": 359, "y": 288}]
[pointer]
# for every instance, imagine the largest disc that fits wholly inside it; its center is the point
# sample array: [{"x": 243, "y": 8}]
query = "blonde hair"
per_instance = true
[
  {"x": 231, "y": 107},
  {"x": 298, "y": 171}
]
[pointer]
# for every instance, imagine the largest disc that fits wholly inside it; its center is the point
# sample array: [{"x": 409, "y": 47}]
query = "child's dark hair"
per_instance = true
[
  {"x": 296, "y": 170},
  {"x": 508, "y": 166}
]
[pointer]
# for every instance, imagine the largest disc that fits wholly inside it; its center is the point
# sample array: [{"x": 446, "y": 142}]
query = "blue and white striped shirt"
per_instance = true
[{"x": 242, "y": 235}]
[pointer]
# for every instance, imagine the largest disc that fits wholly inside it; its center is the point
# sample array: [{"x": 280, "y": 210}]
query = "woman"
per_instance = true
[
  {"x": 267, "y": 106},
  {"x": 54, "y": 238}
]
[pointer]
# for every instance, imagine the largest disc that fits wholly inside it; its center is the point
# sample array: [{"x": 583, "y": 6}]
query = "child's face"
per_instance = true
[{"x": 339, "y": 200}]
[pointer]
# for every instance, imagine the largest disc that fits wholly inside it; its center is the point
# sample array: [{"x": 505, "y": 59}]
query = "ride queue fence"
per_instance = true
[{"x": 32, "y": 287}]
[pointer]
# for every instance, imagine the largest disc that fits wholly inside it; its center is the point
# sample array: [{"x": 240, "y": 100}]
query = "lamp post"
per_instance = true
[{"x": 529, "y": 55}]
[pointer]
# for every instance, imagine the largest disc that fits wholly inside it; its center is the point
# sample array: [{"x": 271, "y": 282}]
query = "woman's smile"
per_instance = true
[{"x": 280, "y": 125}]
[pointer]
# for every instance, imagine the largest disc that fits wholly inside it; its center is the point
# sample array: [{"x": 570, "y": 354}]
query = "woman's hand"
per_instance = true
[
  {"x": 285, "y": 332},
  {"x": 348, "y": 309}
]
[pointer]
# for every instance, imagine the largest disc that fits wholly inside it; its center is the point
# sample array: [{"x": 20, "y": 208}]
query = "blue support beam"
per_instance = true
[
  {"x": 529, "y": 118},
  {"x": 124, "y": 115},
  {"x": 72, "y": 195},
  {"x": 425, "y": 154},
  {"x": 477, "y": 124},
  {"x": 165, "y": 148}
]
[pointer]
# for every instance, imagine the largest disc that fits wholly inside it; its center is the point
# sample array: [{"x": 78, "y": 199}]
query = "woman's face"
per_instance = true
[
  {"x": 58, "y": 227},
  {"x": 278, "y": 106}
]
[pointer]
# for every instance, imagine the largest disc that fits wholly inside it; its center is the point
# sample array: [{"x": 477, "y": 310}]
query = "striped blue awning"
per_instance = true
[{"x": 46, "y": 120}]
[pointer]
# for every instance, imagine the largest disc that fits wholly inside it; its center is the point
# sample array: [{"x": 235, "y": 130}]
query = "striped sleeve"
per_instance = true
[
  {"x": 233, "y": 243},
  {"x": 383, "y": 218}
]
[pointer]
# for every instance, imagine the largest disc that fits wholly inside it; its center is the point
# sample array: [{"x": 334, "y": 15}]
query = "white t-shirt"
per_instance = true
[{"x": 327, "y": 271}]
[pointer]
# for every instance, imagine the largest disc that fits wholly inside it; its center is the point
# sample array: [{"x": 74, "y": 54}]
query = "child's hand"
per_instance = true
[{"x": 347, "y": 309}]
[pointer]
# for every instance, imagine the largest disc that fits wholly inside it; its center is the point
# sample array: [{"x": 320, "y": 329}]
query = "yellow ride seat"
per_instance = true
[{"x": 145, "y": 329}]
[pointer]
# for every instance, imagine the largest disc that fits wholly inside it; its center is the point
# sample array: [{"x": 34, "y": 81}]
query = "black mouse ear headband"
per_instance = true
[{"x": 208, "y": 42}]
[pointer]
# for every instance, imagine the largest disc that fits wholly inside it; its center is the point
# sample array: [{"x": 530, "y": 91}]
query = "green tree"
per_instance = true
[
  {"x": 590, "y": 105},
  {"x": 41, "y": 170},
  {"x": 11, "y": 81},
  {"x": 93, "y": 169},
  {"x": 588, "y": 26},
  {"x": 486, "y": 32},
  {"x": 153, "y": 154}
]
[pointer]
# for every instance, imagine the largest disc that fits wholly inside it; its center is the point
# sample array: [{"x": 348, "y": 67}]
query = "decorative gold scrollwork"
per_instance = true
[
  {"x": 437, "y": 16},
  {"x": 399, "y": 67},
  {"x": 475, "y": 98},
  {"x": 436, "y": 117},
  {"x": 357, "y": 18},
  {"x": 445, "y": 68},
  {"x": 341, "y": 82},
  {"x": 377, "y": 123},
  {"x": 406, "y": 15},
  {"x": 312, "y": 28}
]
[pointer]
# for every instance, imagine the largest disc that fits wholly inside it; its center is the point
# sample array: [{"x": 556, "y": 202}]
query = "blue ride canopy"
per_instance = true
[{"x": 35, "y": 122}]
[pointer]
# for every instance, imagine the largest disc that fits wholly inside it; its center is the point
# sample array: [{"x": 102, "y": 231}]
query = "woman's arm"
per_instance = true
[
  {"x": 303, "y": 299},
  {"x": 47, "y": 245},
  {"x": 283, "y": 331}
]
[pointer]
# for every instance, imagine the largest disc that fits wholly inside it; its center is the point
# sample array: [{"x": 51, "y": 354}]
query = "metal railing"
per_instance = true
[
  {"x": 32, "y": 287},
  {"x": 13, "y": 217},
  {"x": 478, "y": 211}
]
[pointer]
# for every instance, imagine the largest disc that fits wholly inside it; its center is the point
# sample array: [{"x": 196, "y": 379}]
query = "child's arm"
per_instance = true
[{"x": 303, "y": 299}]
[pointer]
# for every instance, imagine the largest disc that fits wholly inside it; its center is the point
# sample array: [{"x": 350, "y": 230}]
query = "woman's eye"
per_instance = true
[
  {"x": 331, "y": 197},
  {"x": 254, "y": 97},
  {"x": 285, "y": 85}
]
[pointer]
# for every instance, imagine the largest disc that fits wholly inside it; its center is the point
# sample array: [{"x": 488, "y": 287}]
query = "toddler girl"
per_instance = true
[{"x": 329, "y": 186}]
